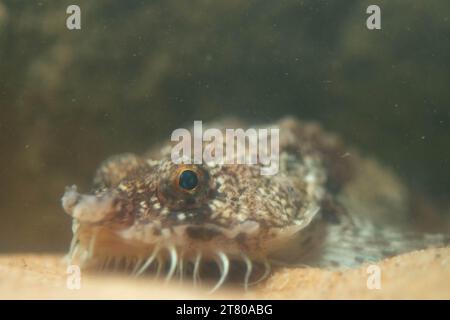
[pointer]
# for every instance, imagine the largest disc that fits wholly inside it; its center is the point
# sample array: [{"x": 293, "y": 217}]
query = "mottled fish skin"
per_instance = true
[{"x": 327, "y": 206}]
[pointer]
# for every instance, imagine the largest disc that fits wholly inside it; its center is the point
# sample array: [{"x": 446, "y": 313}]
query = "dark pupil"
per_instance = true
[{"x": 188, "y": 180}]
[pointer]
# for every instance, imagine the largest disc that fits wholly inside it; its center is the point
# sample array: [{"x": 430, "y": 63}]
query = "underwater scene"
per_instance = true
[{"x": 225, "y": 149}]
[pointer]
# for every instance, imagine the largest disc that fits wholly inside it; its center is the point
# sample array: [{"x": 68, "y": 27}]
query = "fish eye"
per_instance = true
[
  {"x": 184, "y": 186},
  {"x": 188, "y": 180}
]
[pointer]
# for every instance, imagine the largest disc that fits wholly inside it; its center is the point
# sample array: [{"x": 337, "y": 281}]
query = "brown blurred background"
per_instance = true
[{"x": 139, "y": 69}]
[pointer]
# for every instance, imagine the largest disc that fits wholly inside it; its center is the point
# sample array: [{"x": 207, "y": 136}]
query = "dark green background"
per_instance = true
[{"x": 139, "y": 69}]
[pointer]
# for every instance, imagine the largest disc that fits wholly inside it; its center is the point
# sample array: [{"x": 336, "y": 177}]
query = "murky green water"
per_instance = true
[{"x": 137, "y": 70}]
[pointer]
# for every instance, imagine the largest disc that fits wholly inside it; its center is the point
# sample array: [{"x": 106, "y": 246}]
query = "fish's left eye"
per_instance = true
[
  {"x": 188, "y": 180},
  {"x": 185, "y": 186}
]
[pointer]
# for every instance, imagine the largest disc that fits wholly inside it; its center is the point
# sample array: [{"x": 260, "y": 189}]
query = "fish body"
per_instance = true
[{"x": 327, "y": 206}]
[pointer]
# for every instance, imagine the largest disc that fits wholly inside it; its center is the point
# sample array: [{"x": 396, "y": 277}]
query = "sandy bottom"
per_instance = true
[{"x": 416, "y": 275}]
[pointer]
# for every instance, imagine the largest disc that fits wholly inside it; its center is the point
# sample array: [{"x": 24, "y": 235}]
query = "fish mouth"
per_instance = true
[
  {"x": 100, "y": 249},
  {"x": 206, "y": 251},
  {"x": 88, "y": 208}
]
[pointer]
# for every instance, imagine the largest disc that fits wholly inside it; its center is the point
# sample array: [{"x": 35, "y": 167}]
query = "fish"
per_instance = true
[{"x": 328, "y": 206}]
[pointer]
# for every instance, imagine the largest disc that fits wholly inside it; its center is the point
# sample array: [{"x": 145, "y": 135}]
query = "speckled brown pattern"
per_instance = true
[{"x": 323, "y": 208}]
